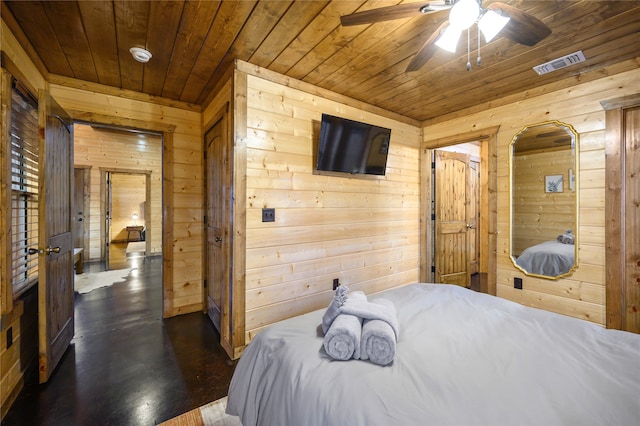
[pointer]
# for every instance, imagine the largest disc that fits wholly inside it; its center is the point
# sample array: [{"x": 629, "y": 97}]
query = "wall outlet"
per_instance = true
[
  {"x": 268, "y": 215},
  {"x": 336, "y": 283},
  {"x": 517, "y": 283}
]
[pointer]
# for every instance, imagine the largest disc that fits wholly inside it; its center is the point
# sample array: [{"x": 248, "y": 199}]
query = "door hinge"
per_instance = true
[
  {"x": 205, "y": 154},
  {"x": 433, "y": 268},
  {"x": 433, "y": 165},
  {"x": 205, "y": 219},
  {"x": 433, "y": 216},
  {"x": 205, "y": 283}
]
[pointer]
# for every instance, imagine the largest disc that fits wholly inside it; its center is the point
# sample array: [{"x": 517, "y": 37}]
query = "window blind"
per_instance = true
[{"x": 24, "y": 191}]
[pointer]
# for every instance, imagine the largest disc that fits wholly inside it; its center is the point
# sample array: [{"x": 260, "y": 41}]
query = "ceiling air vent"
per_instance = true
[{"x": 556, "y": 64}]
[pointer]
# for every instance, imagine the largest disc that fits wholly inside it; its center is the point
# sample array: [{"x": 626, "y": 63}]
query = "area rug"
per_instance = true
[
  {"x": 211, "y": 414},
  {"x": 86, "y": 282}
]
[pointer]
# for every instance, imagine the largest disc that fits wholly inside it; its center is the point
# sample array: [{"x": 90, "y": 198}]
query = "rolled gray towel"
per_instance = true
[
  {"x": 342, "y": 340},
  {"x": 378, "y": 340},
  {"x": 339, "y": 297}
]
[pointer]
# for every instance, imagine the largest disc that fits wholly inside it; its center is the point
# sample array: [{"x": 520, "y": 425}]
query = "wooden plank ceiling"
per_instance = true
[{"x": 193, "y": 43}]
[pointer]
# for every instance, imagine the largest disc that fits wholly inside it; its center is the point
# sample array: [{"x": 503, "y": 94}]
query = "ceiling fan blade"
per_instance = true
[
  {"x": 427, "y": 50},
  {"x": 523, "y": 27},
  {"x": 398, "y": 11}
]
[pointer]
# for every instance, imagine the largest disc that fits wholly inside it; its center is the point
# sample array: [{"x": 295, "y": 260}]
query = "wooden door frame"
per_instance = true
[
  {"x": 488, "y": 207},
  {"x": 615, "y": 232},
  {"x": 103, "y": 205},
  {"x": 166, "y": 133}
]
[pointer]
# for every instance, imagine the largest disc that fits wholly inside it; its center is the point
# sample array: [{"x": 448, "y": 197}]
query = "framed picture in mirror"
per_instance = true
[{"x": 553, "y": 183}]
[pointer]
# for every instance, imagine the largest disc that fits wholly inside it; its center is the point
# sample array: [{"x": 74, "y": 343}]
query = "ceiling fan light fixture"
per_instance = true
[
  {"x": 448, "y": 39},
  {"x": 141, "y": 55},
  {"x": 491, "y": 23},
  {"x": 437, "y": 5},
  {"x": 464, "y": 14}
]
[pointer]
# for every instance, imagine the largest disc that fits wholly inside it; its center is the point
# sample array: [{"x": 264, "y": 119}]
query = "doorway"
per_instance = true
[
  {"x": 127, "y": 218},
  {"x": 125, "y": 191},
  {"x": 456, "y": 172},
  {"x": 484, "y": 209},
  {"x": 456, "y": 175}
]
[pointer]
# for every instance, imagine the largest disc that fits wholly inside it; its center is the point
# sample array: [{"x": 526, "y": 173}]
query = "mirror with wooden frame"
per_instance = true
[{"x": 544, "y": 200}]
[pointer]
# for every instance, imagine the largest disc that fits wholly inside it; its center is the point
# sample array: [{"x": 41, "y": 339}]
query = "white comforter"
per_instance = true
[{"x": 462, "y": 358}]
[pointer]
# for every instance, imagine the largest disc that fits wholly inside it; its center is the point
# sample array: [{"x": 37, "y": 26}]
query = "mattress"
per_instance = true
[{"x": 462, "y": 358}]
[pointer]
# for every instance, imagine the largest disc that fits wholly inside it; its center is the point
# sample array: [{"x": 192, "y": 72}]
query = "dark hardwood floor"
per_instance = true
[{"x": 126, "y": 364}]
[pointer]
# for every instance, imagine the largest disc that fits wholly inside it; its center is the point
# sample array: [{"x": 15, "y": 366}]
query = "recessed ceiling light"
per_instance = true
[{"x": 140, "y": 54}]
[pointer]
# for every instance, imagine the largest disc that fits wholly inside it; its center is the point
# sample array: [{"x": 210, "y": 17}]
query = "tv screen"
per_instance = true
[{"x": 349, "y": 146}]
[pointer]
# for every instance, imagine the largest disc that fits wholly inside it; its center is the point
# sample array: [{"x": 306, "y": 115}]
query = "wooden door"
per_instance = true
[
  {"x": 55, "y": 276},
  {"x": 106, "y": 246},
  {"x": 622, "y": 210},
  {"x": 452, "y": 218},
  {"x": 217, "y": 219},
  {"x": 81, "y": 217},
  {"x": 473, "y": 234},
  {"x": 632, "y": 220}
]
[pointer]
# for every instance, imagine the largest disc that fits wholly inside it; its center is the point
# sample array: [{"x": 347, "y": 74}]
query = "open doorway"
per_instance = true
[
  {"x": 483, "y": 167},
  {"x": 456, "y": 176},
  {"x": 127, "y": 195},
  {"x": 123, "y": 217}
]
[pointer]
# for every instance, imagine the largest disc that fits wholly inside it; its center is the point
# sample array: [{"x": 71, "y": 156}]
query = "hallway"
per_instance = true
[{"x": 126, "y": 365}]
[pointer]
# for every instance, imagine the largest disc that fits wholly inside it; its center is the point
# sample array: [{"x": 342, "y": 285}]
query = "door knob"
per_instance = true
[
  {"x": 50, "y": 250},
  {"x": 218, "y": 240},
  {"x": 469, "y": 226},
  {"x": 33, "y": 251}
]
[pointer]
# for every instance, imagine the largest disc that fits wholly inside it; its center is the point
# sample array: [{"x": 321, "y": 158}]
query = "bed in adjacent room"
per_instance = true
[{"x": 461, "y": 358}]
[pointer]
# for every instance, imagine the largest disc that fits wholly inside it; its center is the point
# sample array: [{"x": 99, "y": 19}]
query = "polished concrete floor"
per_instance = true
[{"x": 126, "y": 364}]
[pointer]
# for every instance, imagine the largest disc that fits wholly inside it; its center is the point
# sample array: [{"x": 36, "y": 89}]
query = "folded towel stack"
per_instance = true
[
  {"x": 567, "y": 237},
  {"x": 359, "y": 329}
]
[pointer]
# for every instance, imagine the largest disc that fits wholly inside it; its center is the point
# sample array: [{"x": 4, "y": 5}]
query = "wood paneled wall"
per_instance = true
[
  {"x": 582, "y": 294},
  {"x": 124, "y": 152},
  {"x": 362, "y": 231},
  {"x": 18, "y": 318}
]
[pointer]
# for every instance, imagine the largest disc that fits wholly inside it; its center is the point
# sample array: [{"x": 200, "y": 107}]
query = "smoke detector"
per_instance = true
[
  {"x": 563, "y": 62},
  {"x": 140, "y": 54}
]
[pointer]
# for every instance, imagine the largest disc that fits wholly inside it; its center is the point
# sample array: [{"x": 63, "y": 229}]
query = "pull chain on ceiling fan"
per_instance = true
[
  {"x": 463, "y": 15},
  {"x": 513, "y": 23}
]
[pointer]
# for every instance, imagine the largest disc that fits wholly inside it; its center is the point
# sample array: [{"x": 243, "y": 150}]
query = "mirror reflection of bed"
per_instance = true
[
  {"x": 544, "y": 200},
  {"x": 550, "y": 258}
]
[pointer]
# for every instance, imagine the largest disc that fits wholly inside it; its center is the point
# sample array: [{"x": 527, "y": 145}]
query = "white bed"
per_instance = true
[
  {"x": 550, "y": 258},
  {"x": 462, "y": 358}
]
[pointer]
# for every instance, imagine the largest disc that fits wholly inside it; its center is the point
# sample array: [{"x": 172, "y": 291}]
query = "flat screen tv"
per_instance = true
[{"x": 348, "y": 146}]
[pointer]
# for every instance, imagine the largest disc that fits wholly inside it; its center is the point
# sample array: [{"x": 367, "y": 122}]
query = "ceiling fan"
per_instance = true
[{"x": 497, "y": 17}]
